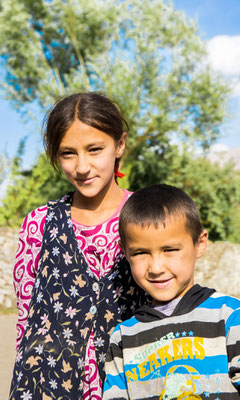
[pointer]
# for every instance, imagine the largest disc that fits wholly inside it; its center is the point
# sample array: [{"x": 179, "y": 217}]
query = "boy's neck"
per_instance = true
[{"x": 167, "y": 307}]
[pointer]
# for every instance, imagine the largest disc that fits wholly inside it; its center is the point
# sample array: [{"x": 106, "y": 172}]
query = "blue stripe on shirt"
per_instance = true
[{"x": 218, "y": 302}]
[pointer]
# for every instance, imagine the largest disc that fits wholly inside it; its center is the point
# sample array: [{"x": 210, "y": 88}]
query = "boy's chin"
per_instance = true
[
  {"x": 167, "y": 299},
  {"x": 160, "y": 302}
]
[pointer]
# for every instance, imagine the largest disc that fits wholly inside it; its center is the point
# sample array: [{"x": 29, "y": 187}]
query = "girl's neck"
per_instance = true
[{"x": 94, "y": 210}]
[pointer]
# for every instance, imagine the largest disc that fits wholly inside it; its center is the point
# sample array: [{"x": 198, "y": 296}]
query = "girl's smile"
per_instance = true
[{"x": 86, "y": 181}]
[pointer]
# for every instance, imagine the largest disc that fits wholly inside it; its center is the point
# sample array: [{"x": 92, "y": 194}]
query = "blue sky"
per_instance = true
[{"x": 218, "y": 22}]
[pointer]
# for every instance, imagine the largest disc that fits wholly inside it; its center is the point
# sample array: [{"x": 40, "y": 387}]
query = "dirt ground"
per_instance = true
[{"x": 7, "y": 352}]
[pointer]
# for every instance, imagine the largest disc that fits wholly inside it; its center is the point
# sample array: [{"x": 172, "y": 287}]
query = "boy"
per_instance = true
[{"x": 187, "y": 344}]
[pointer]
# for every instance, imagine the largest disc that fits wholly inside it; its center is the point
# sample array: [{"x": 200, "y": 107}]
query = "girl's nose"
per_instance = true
[{"x": 83, "y": 166}]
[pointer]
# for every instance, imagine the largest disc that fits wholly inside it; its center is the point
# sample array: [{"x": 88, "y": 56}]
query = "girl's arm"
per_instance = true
[{"x": 26, "y": 264}]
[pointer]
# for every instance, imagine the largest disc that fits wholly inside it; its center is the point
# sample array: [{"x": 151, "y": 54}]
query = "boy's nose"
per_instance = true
[{"x": 156, "y": 266}]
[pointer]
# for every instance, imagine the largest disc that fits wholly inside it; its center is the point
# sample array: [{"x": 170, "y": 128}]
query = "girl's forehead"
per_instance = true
[{"x": 80, "y": 132}]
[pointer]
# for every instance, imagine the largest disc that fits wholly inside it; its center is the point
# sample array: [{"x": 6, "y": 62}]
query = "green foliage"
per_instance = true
[
  {"x": 215, "y": 189},
  {"x": 142, "y": 53},
  {"x": 4, "y": 161},
  {"x": 44, "y": 42},
  {"x": 30, "y": 189}
]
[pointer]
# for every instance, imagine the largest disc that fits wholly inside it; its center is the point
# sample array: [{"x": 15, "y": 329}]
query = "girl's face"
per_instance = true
[{"x": 87, "y": 157}]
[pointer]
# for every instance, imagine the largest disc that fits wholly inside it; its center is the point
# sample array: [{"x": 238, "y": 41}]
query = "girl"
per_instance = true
[{"x": 68, "y": 259}]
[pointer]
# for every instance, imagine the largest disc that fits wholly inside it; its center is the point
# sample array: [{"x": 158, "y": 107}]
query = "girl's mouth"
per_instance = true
[{"x": 86, "y": 181}]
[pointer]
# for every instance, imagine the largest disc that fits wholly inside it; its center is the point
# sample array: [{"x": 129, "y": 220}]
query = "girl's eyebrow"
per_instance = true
[
  {"x": 65, "y": 147},
  {"x": 94, "y": 144}
]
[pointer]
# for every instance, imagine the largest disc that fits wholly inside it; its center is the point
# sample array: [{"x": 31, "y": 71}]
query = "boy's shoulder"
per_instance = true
[
  {"x": 128, "y": 324},
  {"x": 219, "y": 300}
]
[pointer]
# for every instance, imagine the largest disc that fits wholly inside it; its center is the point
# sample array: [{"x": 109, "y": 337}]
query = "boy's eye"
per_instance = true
[
  {"x": 95, "y": 149},
  {"x": 138, "y": 253},
  {"x": 171, "y": 250}
]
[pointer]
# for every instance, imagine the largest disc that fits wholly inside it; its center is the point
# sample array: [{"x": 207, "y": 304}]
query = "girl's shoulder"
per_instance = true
[
  {"x": 35, "y": 215},
  {"x": 33, "y": 224},
  {"x": 36, "y": 218},
  {"x": 127, "y": 193}
]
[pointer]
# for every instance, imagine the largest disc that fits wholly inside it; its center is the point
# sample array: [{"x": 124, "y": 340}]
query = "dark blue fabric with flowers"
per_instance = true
[{"x": 50, "y": 360}]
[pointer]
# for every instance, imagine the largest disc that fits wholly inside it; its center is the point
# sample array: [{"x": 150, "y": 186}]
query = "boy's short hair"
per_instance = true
[{"x": 153, "y": 204}]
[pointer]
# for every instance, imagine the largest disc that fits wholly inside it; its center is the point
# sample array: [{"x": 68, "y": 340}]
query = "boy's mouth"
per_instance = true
[{"x": 160, "y": 283}]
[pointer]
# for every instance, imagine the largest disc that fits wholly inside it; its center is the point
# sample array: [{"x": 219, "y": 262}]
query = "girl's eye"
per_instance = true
[{"x": 65, "y": 153}]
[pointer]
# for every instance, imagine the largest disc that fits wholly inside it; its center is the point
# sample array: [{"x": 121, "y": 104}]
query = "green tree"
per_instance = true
[
  {"x": 142, "y": 53},
  {"x": 215, "y": 189},
  {"x": 3, "y": 167},
  {"x": 30, "y": 189}
]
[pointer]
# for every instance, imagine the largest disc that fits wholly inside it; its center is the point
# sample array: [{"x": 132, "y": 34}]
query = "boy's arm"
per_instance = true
[
  {"x": 233, "y": 347},
  {"x": 115, "y": 386}
]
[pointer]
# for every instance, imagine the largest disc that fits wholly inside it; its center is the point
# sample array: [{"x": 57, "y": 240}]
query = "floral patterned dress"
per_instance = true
[{"x": 82, "y": 290}]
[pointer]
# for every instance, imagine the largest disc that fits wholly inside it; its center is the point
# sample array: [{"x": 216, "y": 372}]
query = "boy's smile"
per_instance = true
[{"x": 162, "y": 259}]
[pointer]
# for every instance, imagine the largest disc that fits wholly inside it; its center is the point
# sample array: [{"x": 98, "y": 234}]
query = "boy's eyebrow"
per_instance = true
[
  {"x": 167, "y": 246},
  {"x": 136, "y": 248}
]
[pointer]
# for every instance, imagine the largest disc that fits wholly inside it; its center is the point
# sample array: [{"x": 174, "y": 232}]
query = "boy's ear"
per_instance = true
[
  {"x": 202, "y": 243},
  {"x": 123, "y": 249}
]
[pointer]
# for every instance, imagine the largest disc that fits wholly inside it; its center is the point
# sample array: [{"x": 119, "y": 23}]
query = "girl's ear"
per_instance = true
[
  {"x": 121, "y": 145},
  {"x": 202, "y": 243}
]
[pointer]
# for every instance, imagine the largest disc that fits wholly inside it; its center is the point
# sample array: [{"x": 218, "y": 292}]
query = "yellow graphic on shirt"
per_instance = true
[
  {"x": 181, "y": 381},
  {"x": 177, "y": 349},
  {"x": 183, "y": 385}
]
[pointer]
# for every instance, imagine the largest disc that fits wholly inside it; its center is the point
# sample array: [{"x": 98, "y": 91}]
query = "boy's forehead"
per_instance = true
[
  {"x": 145, "y": 226},
  {"x": 171, "y": 226}
]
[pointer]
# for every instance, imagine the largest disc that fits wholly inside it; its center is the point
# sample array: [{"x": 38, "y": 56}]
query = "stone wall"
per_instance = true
[
  {"x": 218, "y": 268},
  {"x": 8, "y": 246}
]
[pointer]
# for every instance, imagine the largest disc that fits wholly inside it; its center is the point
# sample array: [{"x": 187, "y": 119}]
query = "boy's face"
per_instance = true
[{"x": 162, "y": 259}]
